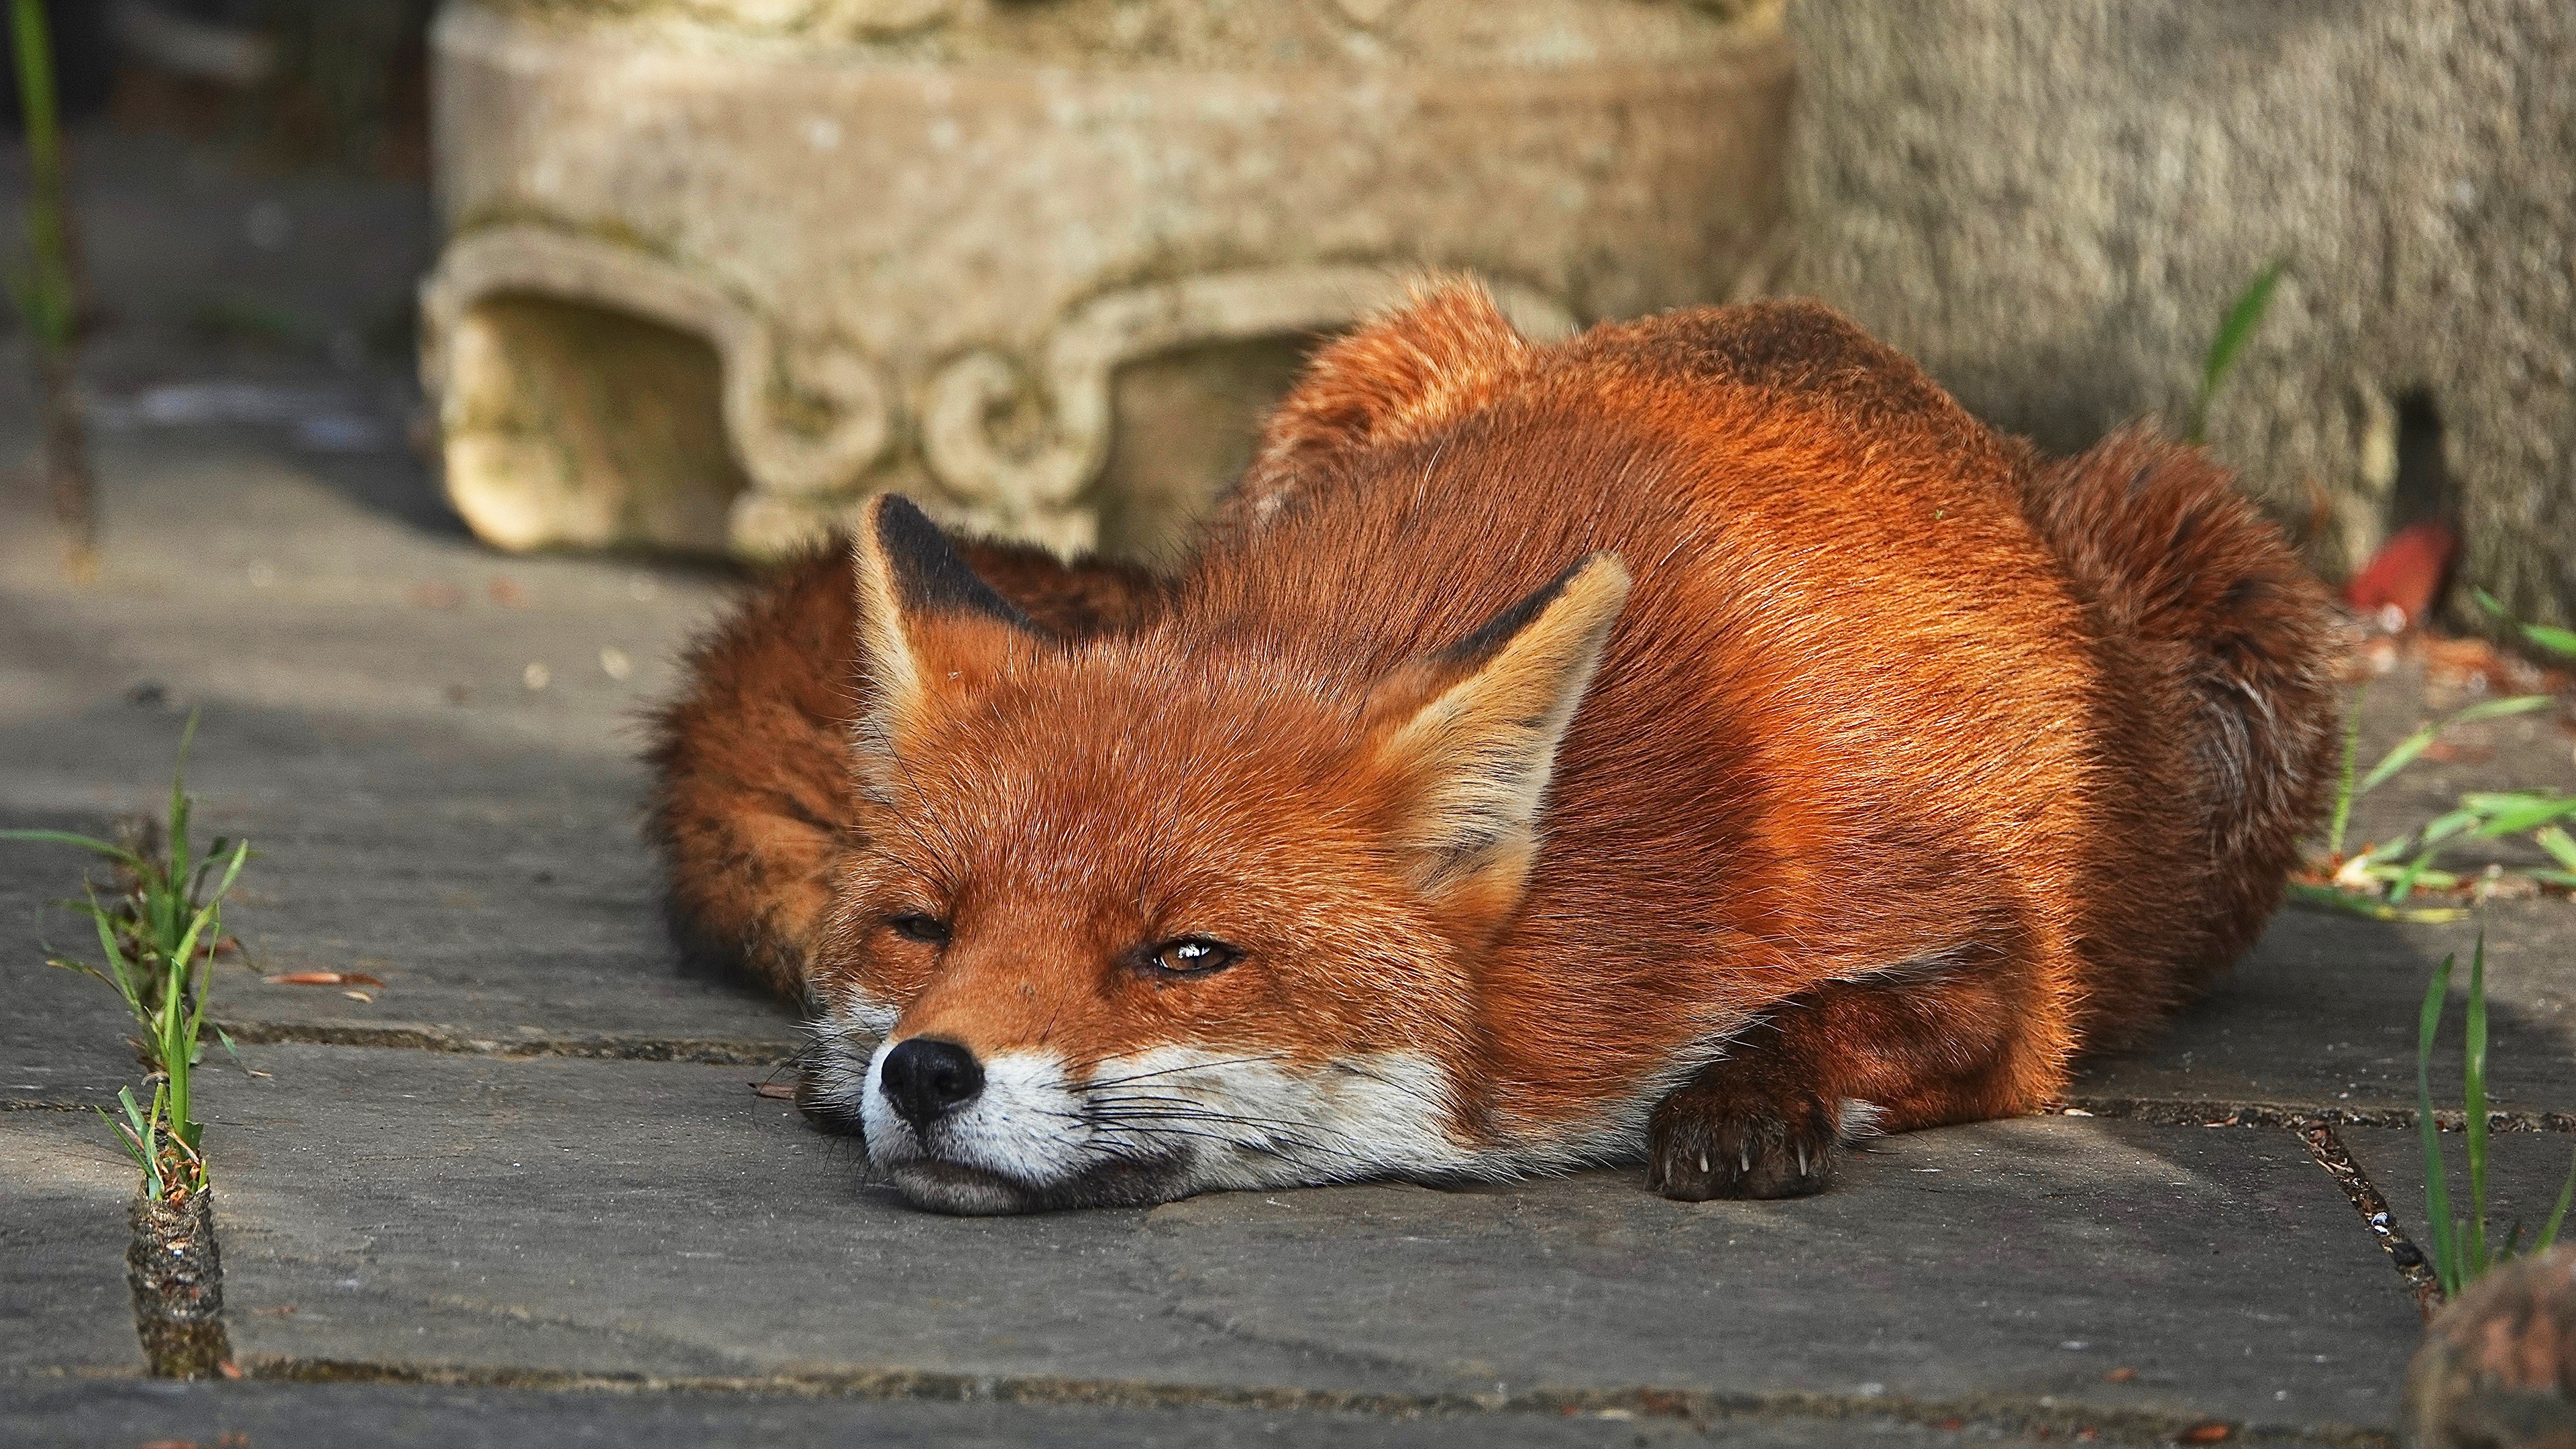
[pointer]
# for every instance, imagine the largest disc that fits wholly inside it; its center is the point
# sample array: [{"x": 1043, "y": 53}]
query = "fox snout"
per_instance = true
[
  {"x": 1011, "y": 1132},
  {"x": 925, "y": 1079}
]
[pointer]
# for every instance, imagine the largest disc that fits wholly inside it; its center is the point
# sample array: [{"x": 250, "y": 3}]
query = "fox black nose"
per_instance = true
[{"x": 926, "y": 1079}]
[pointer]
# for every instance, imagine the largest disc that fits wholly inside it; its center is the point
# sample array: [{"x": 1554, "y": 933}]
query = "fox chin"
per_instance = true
[{"x": 1698, "y": 743}]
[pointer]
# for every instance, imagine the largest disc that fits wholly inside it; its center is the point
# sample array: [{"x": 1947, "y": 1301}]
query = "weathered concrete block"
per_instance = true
[
  {"x": 918, "y": 243},
  {"x": 2052, "y": 204}
]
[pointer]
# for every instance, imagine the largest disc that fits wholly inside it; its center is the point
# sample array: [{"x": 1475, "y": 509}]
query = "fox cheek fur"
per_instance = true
[{"x": 1698, "y": 741}]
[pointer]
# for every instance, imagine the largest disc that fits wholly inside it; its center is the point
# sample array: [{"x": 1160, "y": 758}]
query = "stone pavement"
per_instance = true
[{"x": 525, "y": 1193}]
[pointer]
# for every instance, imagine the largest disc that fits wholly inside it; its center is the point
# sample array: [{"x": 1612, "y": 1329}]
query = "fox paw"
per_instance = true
[{"x": 1716, "y": 1138}]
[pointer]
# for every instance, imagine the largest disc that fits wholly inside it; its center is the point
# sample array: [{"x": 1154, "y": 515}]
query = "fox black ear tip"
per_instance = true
[{"x": 895, "y": 515}]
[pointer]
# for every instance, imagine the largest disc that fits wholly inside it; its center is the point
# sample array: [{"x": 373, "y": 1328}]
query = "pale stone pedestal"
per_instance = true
[{"x": 719, "y": 271}]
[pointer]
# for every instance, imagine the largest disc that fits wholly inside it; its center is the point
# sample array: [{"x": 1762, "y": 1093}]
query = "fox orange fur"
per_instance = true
[{"x": 1699, "y": 741}]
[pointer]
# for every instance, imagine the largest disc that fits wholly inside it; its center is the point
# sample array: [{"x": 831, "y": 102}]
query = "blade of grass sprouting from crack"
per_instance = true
[
  {"x": 2514, "y": 814},
  {"x": 2331, "y": 899},
  {"x": 2405, "y": 882},
  {"x": 2549, "y": 637},
  {"x": 2564, "y": 879},
  {"x": 2437, "y": 1194},
  {"x": 66, "y": 837},
  {"x": 2560, "y": 845},
  {"x": 144, "y": 1135},
  {"x": 2233, "y": 333},
  {"x": 2557, "y": 1215},
  {"x": 2447, "y": 824},
  {"x": 2499, "y": 708},
  {"x": 124, "y": 977},
  {"x": 2343, "y": 788},
  {"x": 2397, "y": 759},
  {"x": 233, "y": 1051},
  {"x": 2422, "y": 740},
  {"x": 2474, "y": 1104}
]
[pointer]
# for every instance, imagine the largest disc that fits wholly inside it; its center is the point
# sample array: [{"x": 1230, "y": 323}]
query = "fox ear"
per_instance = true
[
  {"x": 928, "y": 625},
  {"x": 1477, "y": 758}
]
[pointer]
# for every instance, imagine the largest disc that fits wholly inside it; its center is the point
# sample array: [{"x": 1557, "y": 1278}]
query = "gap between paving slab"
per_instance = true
[
  {"x": 117, "y": 1415},
  {"x": 413, "y": 1213}
]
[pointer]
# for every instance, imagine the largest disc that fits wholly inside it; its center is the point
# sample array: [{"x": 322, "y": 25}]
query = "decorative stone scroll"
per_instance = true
[
  {"x": 797, "y": 462},
  {"x": 1034, "y": 495},
  {"x": 719, "y": 271}
]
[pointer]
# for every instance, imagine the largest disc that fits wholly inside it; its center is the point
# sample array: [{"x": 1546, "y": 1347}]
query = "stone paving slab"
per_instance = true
[
  {"x": 478, "y": 857},
  {"x": 2525, "y": 1173},
  {"x": 497, "y": 897},
  {"x": 62, "y": 1034},
  {"x": 63, "y": 1302},
  {"x": 2323, "y": 1014},
  {"x": 281, "y": 1416},
  {"x": 420, "y": 1209}
]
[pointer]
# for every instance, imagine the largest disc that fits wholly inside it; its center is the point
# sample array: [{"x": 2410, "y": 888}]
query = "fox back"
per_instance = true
[{"x": 1699, "y": 740}]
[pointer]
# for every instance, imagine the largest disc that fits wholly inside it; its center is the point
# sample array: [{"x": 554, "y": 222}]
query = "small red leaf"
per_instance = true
[{"x": 2406, "y": 573}]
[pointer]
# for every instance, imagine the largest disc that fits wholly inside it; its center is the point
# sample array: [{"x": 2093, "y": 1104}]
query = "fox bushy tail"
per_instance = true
[{"x": 2192, "y": 587}]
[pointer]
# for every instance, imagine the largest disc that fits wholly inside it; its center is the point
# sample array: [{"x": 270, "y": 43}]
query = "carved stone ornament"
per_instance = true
[{"x": 718, "y": 271}]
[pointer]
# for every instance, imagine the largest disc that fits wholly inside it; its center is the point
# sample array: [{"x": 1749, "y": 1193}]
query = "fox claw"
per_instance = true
[{"x": 1713, "y": 1138}]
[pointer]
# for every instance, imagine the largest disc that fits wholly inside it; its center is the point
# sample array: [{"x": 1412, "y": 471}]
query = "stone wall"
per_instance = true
[{"x": 2052, "y": 203}]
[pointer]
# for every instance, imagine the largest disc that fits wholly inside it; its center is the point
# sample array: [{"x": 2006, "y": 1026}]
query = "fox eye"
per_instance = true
[
  {"x": 914, "y": 926},
  {"x": 1191, "y": 956}
]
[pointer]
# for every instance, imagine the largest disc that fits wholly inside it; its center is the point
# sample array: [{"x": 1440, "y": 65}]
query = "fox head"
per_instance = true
[{"x": 1145, "y": 915}]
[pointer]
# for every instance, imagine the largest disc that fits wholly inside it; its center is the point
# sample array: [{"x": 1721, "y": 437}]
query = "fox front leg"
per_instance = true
[{"x": 1843, "y": 1062}]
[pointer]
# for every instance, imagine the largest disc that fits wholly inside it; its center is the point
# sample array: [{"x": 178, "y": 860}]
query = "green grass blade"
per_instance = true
[
  {"x": 2405, "y": 882},
  {"x": 2328, "y": 898},
  {"x": 123, "y": 979},
  {"x": 2499, "y": 708},
  {"x": 2516, "y": 814},
  {"x": 85, "y": 842},
  {"x": 2437, "y": 1193},
  {"x": 2343, "y": 785},
  {"x": 2398, "y": 758},
  {"x": 49, "y": 299},
  {"x": 2560, "y": 845},
  {"x": 2555, "y": 640},
  {"x": 2552, "y": 638},
  {"x": 145, "y": 1130},
  {"x": 2233, "y": 333},
  {"x": 2447, "y": 824},
  {"x": 2422, "y": 740},
  {"x": 2557, "y": 1215},
  {"x": 2474, "y": 1105}
]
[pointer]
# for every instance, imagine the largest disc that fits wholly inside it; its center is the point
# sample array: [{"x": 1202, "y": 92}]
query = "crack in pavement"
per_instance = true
[
  {"x": 2211, "y": 1112},
  {"x": 2042, "y": 1416},
  {"x": 2403, "y": 1253},
  {"x": 429, "y": 1037}
]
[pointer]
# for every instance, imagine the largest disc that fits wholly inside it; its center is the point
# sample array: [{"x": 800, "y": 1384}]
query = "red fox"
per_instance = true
[{"x": 1698, "y": 741}]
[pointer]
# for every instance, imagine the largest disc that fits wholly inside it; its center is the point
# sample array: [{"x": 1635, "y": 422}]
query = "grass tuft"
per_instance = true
[
  {"x": 2378, "y": 881},
  {"x": 157, "y": 938},
  {"x": 2461, "y": 1248}
]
